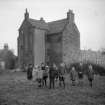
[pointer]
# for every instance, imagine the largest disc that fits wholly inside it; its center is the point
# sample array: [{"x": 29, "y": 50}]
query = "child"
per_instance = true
[
  {"x": 90, "y": 75},
  {"x": 39, "y": 76},
  {"x": 73, "y": 75},
  {"x": 29, "y": 72}
]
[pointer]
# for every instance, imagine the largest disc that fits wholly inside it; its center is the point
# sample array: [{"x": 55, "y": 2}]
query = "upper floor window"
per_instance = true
[{"x": 21, "y": 31}]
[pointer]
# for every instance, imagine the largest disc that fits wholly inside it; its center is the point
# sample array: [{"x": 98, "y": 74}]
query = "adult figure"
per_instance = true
[
  {"x": 90, "y": 75},
  {"x": 29, "y": 72},
  {"x": 62, "y": 72},
  {"x": 45, "y": 76},
  {"x": 73, "y": 75},
  {"x": 51, "y": 77}
]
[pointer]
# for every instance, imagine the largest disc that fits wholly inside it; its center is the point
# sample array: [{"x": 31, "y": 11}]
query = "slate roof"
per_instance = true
[
  {"x": 38, "y": 24},
  {"x": 52, "y": 27},
  {"x": 57, "y": 26}
]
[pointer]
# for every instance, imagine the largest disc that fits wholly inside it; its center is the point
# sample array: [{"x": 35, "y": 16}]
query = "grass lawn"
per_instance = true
[{"x": 15, "y": 89}]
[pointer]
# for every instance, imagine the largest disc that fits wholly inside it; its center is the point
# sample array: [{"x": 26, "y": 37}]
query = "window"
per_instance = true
[{"x": 21, "y": 31}]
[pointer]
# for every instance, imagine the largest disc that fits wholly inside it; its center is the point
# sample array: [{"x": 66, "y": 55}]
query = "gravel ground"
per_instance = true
[{"x": 15, "y": 89}]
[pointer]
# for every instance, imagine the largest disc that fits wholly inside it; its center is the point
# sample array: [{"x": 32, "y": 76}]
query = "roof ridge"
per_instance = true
[
  {"x": 38, "y": 23},
  {"x": 57, "y": 26},
  {"x": 57, "y": 20},
  {"x": 33, "y": 19}
]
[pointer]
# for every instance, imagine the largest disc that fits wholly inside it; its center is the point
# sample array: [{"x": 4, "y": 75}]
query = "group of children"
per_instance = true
[
  {"x": 74, "y": 75},
  {"x": 38, "y": 73},
  {"x": 52, "y": 72},
  {"x": 44, "y": 72}
]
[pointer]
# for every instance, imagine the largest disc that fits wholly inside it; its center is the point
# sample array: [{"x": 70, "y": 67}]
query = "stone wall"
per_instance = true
[
  {"x": 25, "y": 53},
  {"x": 20, "y": 49},
  {"x": 54, "y": 48},
  {"x": 39, "y": 46},
  {"x": 71, "y": 44}
]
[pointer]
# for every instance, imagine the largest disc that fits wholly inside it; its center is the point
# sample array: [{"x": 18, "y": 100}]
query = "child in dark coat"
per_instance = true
[{"x": 29, "y": 72}]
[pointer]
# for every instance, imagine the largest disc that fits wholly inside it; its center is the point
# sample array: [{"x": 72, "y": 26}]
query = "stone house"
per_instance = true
[
  {"x": 54, "y": 42},
  {"x": 2, "y": 64},
  {"x": 7, "y": 58}
]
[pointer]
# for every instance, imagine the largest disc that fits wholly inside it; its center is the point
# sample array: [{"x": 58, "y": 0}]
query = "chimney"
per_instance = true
[
  {"x": 42, "y": 20},
  {"x": 70, "y": 16},
  {"x": 6, "y": 46},
  {"x": 26, "y": 15}
]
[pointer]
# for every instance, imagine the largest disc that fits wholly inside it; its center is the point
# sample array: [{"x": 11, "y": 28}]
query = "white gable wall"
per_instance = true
[{"x": 39, "y": 46}]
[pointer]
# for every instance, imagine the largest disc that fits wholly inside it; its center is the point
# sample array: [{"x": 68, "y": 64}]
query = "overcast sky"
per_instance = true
[{"x": 89, "y": 17}]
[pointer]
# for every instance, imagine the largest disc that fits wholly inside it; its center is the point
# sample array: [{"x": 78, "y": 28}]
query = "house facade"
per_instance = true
[{"x": 52, "y": 42}]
